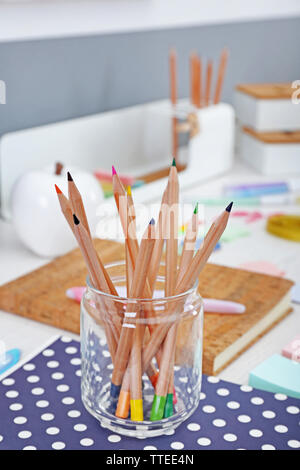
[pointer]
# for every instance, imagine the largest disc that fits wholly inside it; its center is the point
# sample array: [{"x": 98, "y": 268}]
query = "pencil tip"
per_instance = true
[
  {"x": 69, "y": 176},
  {"x": 76, "y": 221},
  {"x": 129, "y": 190},
  {"x": 113, "y": 170},
  {"x": 228, "y": 208},
  {"x": 152, "y": 221},
  {"x": 196, "y": 209},
  {"x": 174, "y": 162},
  {"x": 57, "y": 189}
]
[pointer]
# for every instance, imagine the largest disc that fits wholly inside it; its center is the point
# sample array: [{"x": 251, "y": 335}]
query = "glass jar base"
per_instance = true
[{"x": 144, "y": 429}]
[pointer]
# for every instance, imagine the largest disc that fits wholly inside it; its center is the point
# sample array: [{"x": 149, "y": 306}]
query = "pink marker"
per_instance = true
[
  {"x": 222, "y": 306},
  {"x": 75, "y": 293}
]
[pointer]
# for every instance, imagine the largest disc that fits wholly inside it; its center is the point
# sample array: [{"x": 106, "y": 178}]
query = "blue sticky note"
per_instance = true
[
  {"x": 296, "y": 293},
  {"x": 277, "y": 374},
  {"x": 11, "y": 358}
]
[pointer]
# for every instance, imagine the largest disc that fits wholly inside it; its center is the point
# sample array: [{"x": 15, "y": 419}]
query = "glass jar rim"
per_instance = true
[{"x": 144, "y": 300}]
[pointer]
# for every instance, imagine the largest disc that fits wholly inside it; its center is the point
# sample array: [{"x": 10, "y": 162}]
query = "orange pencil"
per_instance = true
[
  {"x": 221, "y": 75},
  {"x": 209, "y": 71}
]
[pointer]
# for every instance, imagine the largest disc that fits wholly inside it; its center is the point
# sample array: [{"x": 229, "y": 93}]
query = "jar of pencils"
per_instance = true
[{"x": 141, "y": 358}]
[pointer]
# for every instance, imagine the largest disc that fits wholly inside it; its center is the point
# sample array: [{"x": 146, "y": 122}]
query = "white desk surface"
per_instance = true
[{"x": 28, "y": 335}]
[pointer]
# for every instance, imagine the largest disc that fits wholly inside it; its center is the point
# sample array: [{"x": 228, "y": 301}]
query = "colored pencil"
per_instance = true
[
  {"x": 208, "y": 83},
  {"x": 221, "y": 75}
]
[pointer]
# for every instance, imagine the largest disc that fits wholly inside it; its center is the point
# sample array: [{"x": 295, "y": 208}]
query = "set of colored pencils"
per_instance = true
[
  {"x": 133, "y": 342},
  {"x": 201, "y": 85}
]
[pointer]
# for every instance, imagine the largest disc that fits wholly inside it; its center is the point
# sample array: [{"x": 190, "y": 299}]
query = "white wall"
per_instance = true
[{"x": 31, "y": 20}]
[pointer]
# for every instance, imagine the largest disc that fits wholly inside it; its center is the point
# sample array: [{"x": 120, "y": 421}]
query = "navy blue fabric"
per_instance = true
[{"x": 35, "y": 414}]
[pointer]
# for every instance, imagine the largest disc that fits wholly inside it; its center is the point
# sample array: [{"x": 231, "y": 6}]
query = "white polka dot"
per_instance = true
[
  {"x": 208, "y": 409},
  {"x": 12, "y": 394},
  {"x": 66, "y": 339},
  {"x": 246, "y": 388},
  {"x": 52, "y": 431},
  {"x": 52, "y": 364},
  {"x": 74, "y": 413},
  {"x": 16, "y": 407},
  {"x": 255, "y": 432},
  {"x": 244, "y": 419},
  {"x": 281, "y": 428},
  {"x": 280, "y": 396},
  {"x": 223, "y": 392},
  {"x": 37, "y": 391},
  {"x": 150, "y": 448},
  {"x": 96, "y": 366},
  {"x": 268, "y": 414},
  {"x": 68, "y": 401},
  {"x": 212, "y": 379},
  {"x": 42, "y": 404},
  {"x": 62, "y": 388},
  {"x": 86, "y": 442},
  {"x": 294, "y": 444},
  {"x": 293, "y": 410},
  {"x": 193, "y": 426},
  {"x": 29, "y": 448},
  {"x": 268, "y": 447},
  {"x": 105, "y": 353},
  {"x": 230, "y": 437},
  {"x": 102, "y": 342},
  {"x": 233, "y": 405},
  {"x": 257, "y": 400},
  {"x": 9, "y": 381},
  {"x": 169, "y": 432},
  {"x": 202, "y": 396},
  {"x": 80, "y": 427},
  {"x": 110, "y": 366},
  {"x": 75, "y": 361},
  {"x": 78, "y": 373},
  {"x": 204, "y": 441},
  {"x": 32, "y": 379},
  {"x": 47, "y": 416},
  {"x": 183, "y": 380},
  {"x": 29, "y": 366},
  {"x": 57, "y": 375},
  {"x": 58, "y": 445},
  {"x": 1, "y": 438},
  {"x": 114, "y": 438},
  {"x": 48, "y": 353},
  {"x": 177, "y": 445},
  {"x": 24, "y": 434},
  {"x": 20, "y": 420},
  {"x": 71, "y": 350},
  {"x": 219, "y": 423}
]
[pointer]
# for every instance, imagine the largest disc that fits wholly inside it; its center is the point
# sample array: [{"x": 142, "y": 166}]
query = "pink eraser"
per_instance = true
[{"x": 292, "y": 350}]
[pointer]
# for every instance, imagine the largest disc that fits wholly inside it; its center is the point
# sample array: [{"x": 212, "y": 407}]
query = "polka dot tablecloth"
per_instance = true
[{"x": 41, "y": 408}]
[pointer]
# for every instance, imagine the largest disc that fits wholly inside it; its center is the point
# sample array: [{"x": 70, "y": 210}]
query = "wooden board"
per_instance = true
[
  {"x": 286, "y": 137},
  {"x": 267, "y": 91},
  {"x": 40, "y": 296}
]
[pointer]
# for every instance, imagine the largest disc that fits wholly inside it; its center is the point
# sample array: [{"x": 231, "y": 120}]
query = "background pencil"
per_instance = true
[
  {"x": 208, "y": 83},
  {"x": 221, "y": 75}
]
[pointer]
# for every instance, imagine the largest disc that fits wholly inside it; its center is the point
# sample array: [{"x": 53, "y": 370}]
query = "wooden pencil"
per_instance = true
[
  {"x": 172, "y": 231},
  {"x": 187, "y": 282},
  {"x": 221, "y": 75},
  {"x": 196, "y": 80},
  {"x": 77, "y": 203},
  {"x": 136, "y": 291},
  {"x": 208, "y": 83},
  {"x": 188, "y": 245},
  {"x": 173, "y": 97}
]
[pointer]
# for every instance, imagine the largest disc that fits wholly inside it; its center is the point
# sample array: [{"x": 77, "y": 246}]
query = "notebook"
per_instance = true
[
  {"x": 40, "y": 295},
  {"x": 41, "y": 408}
]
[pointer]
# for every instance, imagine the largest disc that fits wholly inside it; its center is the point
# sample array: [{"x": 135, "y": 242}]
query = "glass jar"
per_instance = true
[{"x": 103, "y": 319}]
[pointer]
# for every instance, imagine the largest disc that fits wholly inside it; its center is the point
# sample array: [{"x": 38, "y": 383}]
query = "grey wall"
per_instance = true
[{"x": 57, "y": 79}]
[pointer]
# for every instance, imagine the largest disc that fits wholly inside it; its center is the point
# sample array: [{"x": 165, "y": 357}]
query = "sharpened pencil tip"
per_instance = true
[
  {"x": 129, "y": 190},
  {"x": 174, "y": 162},
  {"x": 69, "y": 176},
  {"x": 76, "y": 221},
  {"x": 228, "y": 208},
  {"x": 196, "y": 209},
  {"x": 57, "y": 189},
  {"x": 152, "y": 221},
  {"x": 113, "y": 170}
]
